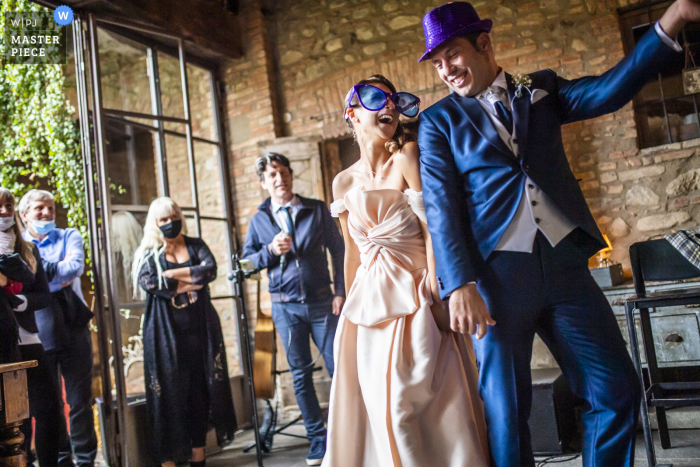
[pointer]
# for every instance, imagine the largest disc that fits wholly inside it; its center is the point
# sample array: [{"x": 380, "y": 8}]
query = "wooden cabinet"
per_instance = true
[{"x": 14, "y": 408}]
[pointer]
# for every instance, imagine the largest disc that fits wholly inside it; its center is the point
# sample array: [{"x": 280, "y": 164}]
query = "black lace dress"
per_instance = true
[{"x": 177, "y": 337}]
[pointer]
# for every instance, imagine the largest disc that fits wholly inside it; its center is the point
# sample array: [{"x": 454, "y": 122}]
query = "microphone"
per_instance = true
[{"x": 283, "y": 257}]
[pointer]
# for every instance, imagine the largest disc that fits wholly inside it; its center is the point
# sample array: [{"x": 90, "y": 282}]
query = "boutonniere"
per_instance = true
[{"x": 520, "y": 81}]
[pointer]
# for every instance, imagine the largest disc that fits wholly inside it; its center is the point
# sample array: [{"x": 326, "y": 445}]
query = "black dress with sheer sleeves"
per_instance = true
[{"x": 178, "y": 336}]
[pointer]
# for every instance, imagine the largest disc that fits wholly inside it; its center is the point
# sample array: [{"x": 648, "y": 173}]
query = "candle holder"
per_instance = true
[{"x": 608, "y": 273}]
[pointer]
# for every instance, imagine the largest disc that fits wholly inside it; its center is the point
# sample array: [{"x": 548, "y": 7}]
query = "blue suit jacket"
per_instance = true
[{"x": 472, "y": 182}]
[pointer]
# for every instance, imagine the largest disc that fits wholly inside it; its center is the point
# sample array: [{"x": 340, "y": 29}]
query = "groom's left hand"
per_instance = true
[{"x": 468, "y": 312}]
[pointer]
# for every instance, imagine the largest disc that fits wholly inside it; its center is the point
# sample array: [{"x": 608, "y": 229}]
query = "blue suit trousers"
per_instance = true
[
  {"x": 295, "y": 323},
  {"x": 551, "y": 292}
]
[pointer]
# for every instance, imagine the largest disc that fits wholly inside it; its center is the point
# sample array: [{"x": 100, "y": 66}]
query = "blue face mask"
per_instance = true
[{"x": 43, "y": 227}]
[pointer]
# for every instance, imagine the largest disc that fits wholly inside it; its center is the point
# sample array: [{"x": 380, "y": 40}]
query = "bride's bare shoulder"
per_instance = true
[
  {"x": 342, "y": 183},
  {"x": 408, "y": 160}
]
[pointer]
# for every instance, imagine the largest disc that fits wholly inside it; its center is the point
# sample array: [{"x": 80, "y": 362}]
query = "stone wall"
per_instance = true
[
  {"x": 302, "y": 57},
  {"x": 323, "y": 47}
]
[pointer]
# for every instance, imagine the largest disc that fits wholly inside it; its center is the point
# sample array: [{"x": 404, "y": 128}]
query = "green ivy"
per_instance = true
[{"x": 39, "y": 140}]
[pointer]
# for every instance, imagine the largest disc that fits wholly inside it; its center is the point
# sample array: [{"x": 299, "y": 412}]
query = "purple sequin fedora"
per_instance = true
[{"x": 449, "y": 21}]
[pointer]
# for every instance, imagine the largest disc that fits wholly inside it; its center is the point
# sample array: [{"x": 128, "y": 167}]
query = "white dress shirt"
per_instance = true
[
  {"x": 673, "y": 43},
  {"x": 281, "y": 217},
  {"x": 535, "y": 211}
]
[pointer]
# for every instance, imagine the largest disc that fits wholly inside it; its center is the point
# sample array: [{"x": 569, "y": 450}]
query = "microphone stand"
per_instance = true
[{"x": 238, "y": 276}]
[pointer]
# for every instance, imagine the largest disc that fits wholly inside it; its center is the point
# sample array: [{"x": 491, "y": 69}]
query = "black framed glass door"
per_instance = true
[{"x": 150, "y": 127}]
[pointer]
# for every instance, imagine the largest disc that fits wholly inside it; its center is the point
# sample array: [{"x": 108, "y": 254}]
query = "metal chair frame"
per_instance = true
[{"x": 658, "y": 260}]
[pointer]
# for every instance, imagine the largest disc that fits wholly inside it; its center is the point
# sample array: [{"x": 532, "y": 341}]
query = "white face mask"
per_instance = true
[
  {"x": 43, "y": 227},
  {"x": 6, "y": 222},
  {"x": 7, "y": 242}
]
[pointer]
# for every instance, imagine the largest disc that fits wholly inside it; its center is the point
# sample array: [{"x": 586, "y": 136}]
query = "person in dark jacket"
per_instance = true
[
  {"x": 289, "y": 236},
  {"x": 12, "y": 271},
  {"x": 63, "y": 324},
  {"x": 185, "y": 368},
  {"x": 27, "y": 288}
]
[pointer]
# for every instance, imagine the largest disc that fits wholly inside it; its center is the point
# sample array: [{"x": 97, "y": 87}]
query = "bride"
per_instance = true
[{"x": 405, "y": 388}]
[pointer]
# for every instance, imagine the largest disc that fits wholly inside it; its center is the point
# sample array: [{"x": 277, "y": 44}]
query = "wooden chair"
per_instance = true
[
  {"x": 14, "y": 408},
  {"x": 658, "y": 260}
]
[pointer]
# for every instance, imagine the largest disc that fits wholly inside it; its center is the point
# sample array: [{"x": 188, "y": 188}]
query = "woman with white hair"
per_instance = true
[{"x": 187, "y": 383}]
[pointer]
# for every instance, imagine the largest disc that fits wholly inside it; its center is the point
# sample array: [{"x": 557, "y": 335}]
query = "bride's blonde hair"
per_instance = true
[
  {"x": 153, "y": 241},
  {"x": 396, "y": 142}
]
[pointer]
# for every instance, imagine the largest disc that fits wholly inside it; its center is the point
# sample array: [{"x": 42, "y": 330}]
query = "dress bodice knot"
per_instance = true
[
  {"x": 386, "y": 228},
  {"x": 398, "y": 378}
]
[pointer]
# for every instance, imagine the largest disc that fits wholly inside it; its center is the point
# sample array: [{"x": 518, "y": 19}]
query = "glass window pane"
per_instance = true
[
  {"x": 126, "y": 232},
  {"x": 229, "y": 325},
  {"x": 132, "y": 349},
  {"x": 214, "y": 234},
  {"x": 70, "y": 87},
  {"x": 210, "y": 190},
  {"x": 180, "y": 128},
  {"x": 672, "y": 79},
  {"x": 653, "y": 126},
  {"x": 191, "y": 224},
  {"x": 682, "y": 119},
  {"x": 651, "y": 92},
  {"x": 179, "y": 180},
  {"x": 201, "y": 102},
  {"x": 124, "y": 73},
  {"x": 131, "y": 163},
  {"x": 170, "y": 86},
  {"x": 150, "y": 123}
]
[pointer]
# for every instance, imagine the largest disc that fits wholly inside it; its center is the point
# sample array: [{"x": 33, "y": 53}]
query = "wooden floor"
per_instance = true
[{"x": 291, "y": 452}]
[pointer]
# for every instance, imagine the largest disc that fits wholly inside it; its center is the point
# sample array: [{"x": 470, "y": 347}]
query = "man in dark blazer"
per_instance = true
[
  {"x": 512, "y": 233},
  {"x": 290, "y": 236}
]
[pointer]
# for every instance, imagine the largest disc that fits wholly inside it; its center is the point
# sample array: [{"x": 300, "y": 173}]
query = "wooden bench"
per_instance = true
[{"x": 14, "y": 408}]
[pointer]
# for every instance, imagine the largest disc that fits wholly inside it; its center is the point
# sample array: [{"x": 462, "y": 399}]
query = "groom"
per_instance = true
[{"x": 512, "y": 233}]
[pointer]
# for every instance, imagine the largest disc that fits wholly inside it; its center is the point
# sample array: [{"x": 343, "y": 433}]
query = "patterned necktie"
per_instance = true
[
  {"x": 495, "y": 96},
  {"x": 504, "y": 115}
]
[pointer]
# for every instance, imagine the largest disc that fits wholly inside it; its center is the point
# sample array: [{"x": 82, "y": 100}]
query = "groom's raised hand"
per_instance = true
[
  {"x": 468, "y": 312},
  {"x": 678, "y": 14}
]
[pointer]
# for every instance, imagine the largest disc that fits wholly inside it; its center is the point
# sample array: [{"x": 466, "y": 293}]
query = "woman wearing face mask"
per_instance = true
[
  {"x": 25, "y": 289},
  {"x": 187, "y": 382},
  {"x": 10, "y": 265},
  {"x": 405, "y": 387}
]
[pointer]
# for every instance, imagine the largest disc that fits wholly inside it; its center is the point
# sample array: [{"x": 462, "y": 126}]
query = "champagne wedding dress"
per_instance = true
[{"x": 404, "y": 394}]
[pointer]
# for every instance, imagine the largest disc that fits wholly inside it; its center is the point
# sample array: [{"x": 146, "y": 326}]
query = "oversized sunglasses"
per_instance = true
[{"x": 372, "y": 98}]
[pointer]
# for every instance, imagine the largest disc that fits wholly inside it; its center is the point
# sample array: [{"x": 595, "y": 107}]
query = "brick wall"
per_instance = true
[
  {"x": 302, "y": 57},
  {"x": 323, "y": 47},
  {"x": 251, "y": 116}
]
